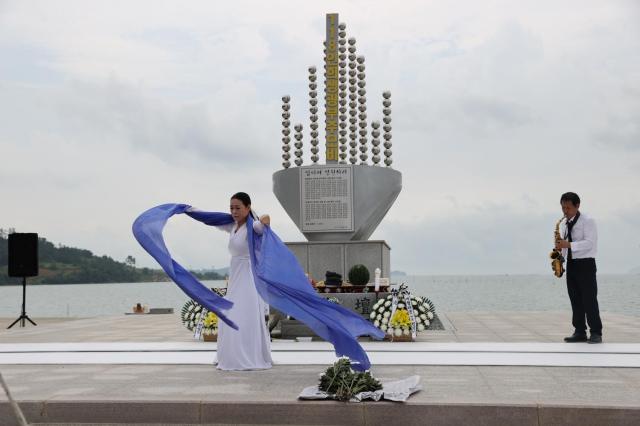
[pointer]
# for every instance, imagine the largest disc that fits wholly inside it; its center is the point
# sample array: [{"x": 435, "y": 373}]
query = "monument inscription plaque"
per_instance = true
[{"x": 326, "y": 198}]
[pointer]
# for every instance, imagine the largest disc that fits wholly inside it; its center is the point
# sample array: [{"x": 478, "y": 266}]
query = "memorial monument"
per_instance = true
[{"x": 339, "y": 204}]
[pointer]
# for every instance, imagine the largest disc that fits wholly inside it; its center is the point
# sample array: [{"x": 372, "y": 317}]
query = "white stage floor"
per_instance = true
[{"x": 301, "y": 353}]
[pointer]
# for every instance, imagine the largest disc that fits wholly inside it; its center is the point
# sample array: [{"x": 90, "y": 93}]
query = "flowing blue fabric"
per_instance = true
[
  {"x": 147, "y": 229},
  {"x": 279, "y": 279}
]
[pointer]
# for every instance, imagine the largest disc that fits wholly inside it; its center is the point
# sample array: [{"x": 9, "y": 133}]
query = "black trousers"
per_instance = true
[{"x": 583, "y": 293}]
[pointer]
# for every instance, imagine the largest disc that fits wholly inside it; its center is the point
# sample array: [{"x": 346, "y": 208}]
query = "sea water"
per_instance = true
[{"x": 449, "y": 293}]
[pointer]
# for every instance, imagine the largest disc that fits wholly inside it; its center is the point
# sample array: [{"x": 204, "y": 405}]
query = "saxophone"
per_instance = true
[{"x": 557, "y": 260}]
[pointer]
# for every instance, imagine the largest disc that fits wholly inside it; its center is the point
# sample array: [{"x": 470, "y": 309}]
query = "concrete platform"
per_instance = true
[
  {"x": 200, "y": 394},
  {"x": 322, "y": 353}
]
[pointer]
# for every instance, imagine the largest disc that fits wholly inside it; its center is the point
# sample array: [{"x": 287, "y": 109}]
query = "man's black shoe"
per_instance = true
[
  {"x": 595, "y": 338},
  {"x": 575, "y": 337}
]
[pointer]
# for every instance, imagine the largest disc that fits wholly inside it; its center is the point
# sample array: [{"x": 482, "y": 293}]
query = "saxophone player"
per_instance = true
[{"x": 579, "y": 248}]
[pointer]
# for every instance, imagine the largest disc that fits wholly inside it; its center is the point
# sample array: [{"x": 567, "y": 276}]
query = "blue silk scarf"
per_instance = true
[{"x": 279, "y": 279}]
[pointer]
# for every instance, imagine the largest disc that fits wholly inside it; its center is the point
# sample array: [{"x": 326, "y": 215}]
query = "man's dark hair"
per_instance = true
[{"x": 570, "y": 196}]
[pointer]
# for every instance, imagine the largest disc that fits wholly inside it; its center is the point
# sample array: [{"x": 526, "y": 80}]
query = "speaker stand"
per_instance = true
[{"x": 23, "y": 316}]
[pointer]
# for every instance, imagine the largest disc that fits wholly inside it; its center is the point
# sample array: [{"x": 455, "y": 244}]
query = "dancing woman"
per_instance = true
[
  {"x": 248, "y": 347},
  {"x": 278, "y": 279}
]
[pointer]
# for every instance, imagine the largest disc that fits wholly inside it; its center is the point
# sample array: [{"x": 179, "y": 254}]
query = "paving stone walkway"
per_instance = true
[{"x": 199, "y": 394}]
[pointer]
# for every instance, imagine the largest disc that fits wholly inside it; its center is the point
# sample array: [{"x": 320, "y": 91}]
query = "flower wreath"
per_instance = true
[
  {"x": 402, "y": 314},
  {"x": 193, "y": 313}
]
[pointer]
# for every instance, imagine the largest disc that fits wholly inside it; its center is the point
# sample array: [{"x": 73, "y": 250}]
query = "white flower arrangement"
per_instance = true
[
  {"x": 400, "y": 324},
  {"x": 192, "y": 312}
]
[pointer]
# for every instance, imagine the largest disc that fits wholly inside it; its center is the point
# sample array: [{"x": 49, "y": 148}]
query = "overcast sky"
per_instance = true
[{"x": 108, "y": 108}]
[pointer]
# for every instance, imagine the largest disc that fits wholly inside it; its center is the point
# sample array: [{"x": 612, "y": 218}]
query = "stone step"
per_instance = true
[{"x": 313, "y": 413}]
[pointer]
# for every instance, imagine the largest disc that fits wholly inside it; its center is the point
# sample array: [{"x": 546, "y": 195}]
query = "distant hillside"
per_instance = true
[
  {"x": 69, "y": 265},
  {"x": 220, "y": 271}
]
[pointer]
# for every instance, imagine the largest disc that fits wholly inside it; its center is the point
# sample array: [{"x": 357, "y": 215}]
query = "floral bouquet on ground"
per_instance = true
[
  {"x": 342, "y": 383},
  {"x": 401, "y": 315},
  {"x": 192, "y": 314}
]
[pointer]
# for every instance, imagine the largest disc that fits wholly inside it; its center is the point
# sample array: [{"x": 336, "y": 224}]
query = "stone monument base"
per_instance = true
[
  {"x": 318, "y": 257},
  {"x": 360, "y": 303}
]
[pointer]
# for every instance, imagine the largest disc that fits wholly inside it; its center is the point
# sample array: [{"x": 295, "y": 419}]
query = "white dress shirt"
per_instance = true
[{"x": 584, "y": 236}]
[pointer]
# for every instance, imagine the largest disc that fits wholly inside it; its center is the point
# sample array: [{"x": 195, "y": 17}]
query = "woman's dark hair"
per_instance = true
[
  {"x": 567, "y": 196},
  {"x": 244, "y": 198}
]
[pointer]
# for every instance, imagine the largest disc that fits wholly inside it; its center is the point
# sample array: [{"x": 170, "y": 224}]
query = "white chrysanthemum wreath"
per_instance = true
[
  {"x": 193, "y": 315},
  {"x": 401, "y": 314}
]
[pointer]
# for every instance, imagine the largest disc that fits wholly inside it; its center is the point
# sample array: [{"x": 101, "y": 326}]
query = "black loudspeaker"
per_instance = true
[{"x": 23, "y": 255}]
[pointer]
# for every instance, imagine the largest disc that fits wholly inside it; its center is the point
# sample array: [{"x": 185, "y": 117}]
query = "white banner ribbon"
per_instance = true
[
  {"x": 412, "y": 316},
  {"x": 198, "y": 331}
]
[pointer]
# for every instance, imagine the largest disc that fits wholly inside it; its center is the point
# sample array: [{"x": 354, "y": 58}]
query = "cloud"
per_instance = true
[
  {"x": 497, "y": 109},
  {"x": 477, "y": 239},
  {"x": 199, "y": 133},
  {"x": 622, "y": 132},
  {"x": 499, "y": 240}
]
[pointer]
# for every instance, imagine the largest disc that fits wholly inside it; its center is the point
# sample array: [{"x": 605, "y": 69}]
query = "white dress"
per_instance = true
[{"x": 249, "y": 347}]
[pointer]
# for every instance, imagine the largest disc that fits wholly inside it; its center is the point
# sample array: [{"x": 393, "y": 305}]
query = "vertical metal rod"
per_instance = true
[{"x": 24, "y": 301}]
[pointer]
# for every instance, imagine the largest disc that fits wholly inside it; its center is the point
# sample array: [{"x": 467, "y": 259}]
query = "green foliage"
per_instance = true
[
  {"x": 69, "y": 265},
  {"x": 207, "y": 275},
  {"x": 343, "y": 383},
  {"x": 358, "y": 275}
]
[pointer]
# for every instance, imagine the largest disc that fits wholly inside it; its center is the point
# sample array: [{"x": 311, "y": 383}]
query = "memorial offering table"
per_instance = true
[{"x": 350, "y": 288}]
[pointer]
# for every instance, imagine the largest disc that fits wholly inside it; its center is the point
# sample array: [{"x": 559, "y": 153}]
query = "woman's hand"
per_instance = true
[{"x": 265, "y": 219}]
